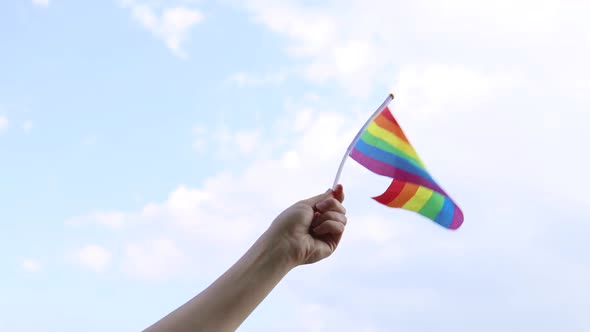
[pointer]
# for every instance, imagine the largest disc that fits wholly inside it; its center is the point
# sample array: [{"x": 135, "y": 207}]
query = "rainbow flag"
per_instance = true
[{"x": 383, "y": 148}]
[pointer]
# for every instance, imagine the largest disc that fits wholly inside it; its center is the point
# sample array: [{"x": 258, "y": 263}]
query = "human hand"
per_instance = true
[{"x": 311, "y": 229}]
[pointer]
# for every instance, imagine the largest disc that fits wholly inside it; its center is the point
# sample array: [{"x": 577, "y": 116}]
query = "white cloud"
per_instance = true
[
  {"x": 315, "y": 36},
  {"x": 187, "y": 212},
  {"x": 157, "y": 259},
  {"x": 246, "y": 141},
  {"x": 228, "y": 144},
  {"x": 171, "y": 24},
  {"x": 94, "y": 257},
  {"x": 310, "y": 29},
  {"x": 444, "y": 84},
  {"x": 3, "y": 123},
  {"x": 302, "y": 119},
  {"x": 291, "y": 160},
  {"x": 30, "y": 265},
  {"x": 331, "y": 43},
  {"x": 28, "y": 126},
  {"x": 41, "y": 3}
]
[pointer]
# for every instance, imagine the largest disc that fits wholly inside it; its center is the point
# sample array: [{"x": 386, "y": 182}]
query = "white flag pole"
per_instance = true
[{"x": 358, "y": 135}]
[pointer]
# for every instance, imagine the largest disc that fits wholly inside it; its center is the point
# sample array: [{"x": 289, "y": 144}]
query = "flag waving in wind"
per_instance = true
[{"x": 382, "y": 147}]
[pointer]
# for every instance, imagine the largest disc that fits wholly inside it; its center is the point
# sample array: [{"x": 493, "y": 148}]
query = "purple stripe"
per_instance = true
[
  {"x": 393, "y": 172},
  {"x": 457, "y": 218}
]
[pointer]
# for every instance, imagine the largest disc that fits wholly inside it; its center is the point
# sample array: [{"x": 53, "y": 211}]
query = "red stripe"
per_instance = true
[
  {"x": 386, "y": 121},
  {"x": 391, "y": 193}
]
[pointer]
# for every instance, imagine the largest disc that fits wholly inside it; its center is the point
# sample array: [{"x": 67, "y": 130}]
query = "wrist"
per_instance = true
[{"x": 276, "y": 252}]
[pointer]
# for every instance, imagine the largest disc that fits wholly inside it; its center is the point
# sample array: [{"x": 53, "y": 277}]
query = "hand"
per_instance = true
[{"x": 310, "y": 230}]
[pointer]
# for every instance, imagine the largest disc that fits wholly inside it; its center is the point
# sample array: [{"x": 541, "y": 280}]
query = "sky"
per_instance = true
[{"x": 145, "y": 145}]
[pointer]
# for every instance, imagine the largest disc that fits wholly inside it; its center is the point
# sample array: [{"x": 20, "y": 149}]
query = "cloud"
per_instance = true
[
  {"x": 331, "y": 43},
  {"x": 447, "y": 85},
  {"x": 3, "y": 123},
  {"x": 170, "y": 24},
  {"x": 314, "y": 35},
  {"x": 30, "y": 265},
  {"x": 227, "y": 144},
  {"x": 93, "y": 257},
  {"x": 247, "y": 141},
  {"x": 157, "y": 259},
  {"x": 41, "y": 3}
]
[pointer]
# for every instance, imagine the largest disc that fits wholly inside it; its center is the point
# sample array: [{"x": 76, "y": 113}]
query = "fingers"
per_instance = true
[
  {"x": 330, "y": 204},
  {"x": 331, "y": 227},
  {"x": 330, "y": 215},
  {"x": 312, "y": 201},
  {"x": 329, "y": 209},
  {"x": 337, "y": 193}
]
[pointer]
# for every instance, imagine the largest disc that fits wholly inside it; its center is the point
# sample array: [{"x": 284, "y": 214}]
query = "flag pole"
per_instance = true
[{"x": 358, "y": 135}]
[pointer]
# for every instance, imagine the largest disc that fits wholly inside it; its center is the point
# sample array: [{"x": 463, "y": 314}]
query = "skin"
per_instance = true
[{"x": 306, "y": 232}]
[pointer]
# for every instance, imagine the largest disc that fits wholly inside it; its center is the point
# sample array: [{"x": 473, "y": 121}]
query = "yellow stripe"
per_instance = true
[
  {"x": 416, "y": 203},
  {"x": 393, "y": 140}
]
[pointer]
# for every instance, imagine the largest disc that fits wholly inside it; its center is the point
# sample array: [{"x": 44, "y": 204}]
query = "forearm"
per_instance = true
[
  {"x": 305, "y": 233},
  {"x": 226, "y": 303}
]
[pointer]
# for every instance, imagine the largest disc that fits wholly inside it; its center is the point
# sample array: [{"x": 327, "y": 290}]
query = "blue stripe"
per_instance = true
[
  {"x": 391, "y": 159},
  {"x": 445, "y": 216}
]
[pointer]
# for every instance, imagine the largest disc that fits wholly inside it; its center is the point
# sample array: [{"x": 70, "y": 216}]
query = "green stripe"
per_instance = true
[
  {"x": 433, "y": 206},
  {"x": 383, "y": 145}
]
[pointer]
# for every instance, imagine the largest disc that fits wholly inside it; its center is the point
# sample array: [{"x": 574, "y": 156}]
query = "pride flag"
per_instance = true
[{"x": 383, "y": 148}]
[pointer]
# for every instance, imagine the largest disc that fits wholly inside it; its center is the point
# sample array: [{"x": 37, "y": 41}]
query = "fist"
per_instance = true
[{"x": 310, "y": 230}]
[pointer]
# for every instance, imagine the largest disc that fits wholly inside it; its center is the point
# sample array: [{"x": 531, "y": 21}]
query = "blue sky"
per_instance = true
[{"x": 144, "y": 145}]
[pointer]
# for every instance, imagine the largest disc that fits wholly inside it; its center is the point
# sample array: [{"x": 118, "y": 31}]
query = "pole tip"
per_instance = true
[{"x": 392, "y": 96}]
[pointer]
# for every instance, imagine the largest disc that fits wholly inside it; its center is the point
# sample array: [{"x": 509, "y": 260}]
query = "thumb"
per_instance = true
[{"x": 312, "y": 201}]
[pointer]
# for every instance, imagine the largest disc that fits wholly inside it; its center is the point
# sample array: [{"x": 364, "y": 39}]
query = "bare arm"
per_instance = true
[{"x": 304, "y": 233}]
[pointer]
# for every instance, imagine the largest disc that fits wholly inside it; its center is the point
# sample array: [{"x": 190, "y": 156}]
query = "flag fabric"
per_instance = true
[{"x": 384, "y": 149}]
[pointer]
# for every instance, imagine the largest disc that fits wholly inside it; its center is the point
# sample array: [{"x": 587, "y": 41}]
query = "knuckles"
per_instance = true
[
  {"x": 332, "y": 215},
  {"x": 329, "y": 227},
  {"x": 331, "y": 204}
]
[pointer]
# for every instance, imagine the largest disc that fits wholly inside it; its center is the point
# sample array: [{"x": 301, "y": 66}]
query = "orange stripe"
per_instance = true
[
  {"x": 391, "y": 193},
  {"x": 383, "y": 122},
  {"x": 405, "y": 195}
]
